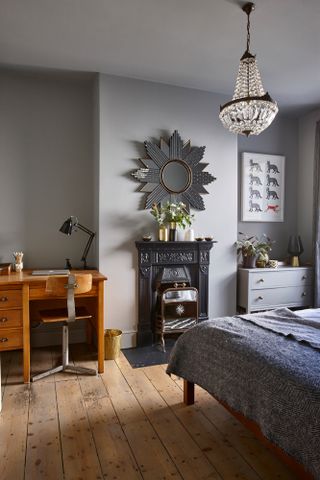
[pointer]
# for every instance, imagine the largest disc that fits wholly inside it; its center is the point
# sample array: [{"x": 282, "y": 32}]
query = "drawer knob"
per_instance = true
[
  {"x": 3, "y": 319},
  {"x": 304, "y": 277},
  {"x": 3, "y": 339},
  {"x": 260, "y": 298},
  {"x": 4, "y": 299},
  {"x": 304, "y": 294},
  {"x": 260, "y": 280}
]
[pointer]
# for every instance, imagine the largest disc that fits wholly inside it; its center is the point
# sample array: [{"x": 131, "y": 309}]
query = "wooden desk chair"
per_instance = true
[{"x": 66, "y": 286}]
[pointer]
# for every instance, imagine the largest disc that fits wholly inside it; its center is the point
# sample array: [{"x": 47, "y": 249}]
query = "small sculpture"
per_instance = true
[{"x": 18, "y": 263}]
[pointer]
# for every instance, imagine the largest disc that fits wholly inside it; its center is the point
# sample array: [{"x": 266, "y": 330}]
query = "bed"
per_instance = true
[{"x": 265, "y": 368}]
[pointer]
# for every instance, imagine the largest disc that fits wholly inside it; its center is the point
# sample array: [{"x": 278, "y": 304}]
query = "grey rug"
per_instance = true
[{"x": 146, "y": 356}]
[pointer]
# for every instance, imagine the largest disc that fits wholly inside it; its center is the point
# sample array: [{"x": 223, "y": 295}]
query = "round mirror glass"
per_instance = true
[{"x": 176, "y": 176}]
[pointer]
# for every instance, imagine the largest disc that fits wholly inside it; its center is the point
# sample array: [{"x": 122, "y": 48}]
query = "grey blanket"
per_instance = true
[{"x": 266, "y": 375}]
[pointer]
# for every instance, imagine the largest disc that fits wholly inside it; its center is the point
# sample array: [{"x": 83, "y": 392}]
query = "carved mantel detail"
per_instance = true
[{"x": 153, "y": 257}]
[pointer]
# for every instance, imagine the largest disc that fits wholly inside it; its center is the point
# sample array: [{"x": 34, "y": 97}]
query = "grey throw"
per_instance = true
[{"x": 268, "y": 376}]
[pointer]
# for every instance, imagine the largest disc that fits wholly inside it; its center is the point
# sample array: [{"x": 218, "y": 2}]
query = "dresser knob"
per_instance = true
[
  {"x": 3, "y": 299},
  {"x": 3, "y": 319},
  {"x": 304, "y": 294},
  {"x": 260, "y": 280},
  {"x": 260, "y": 298},
  {"x": 304, "y": 277},
  {"x": 3, "y": 339}
]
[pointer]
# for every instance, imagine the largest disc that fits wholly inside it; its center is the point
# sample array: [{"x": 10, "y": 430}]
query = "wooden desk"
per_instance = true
[{"x": 18, "y": 291}]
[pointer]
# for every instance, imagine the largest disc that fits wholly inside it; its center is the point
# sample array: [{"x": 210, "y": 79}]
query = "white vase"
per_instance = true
[
  {"x": 189, "y": 235},
  {"x": 180, "y": 234}
]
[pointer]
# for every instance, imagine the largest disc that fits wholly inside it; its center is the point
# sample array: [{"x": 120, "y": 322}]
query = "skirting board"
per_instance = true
[{"x": 129, "y": 339}]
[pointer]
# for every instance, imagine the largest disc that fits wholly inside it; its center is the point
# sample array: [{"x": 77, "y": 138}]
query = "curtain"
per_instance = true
[{"x": 316, "y": 218}]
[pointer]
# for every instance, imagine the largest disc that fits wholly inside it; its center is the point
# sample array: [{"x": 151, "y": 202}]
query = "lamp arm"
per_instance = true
[{"x": 89, "y": 242}]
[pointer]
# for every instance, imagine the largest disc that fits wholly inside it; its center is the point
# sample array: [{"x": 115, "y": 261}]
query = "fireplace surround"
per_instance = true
[{"x": 153, "y": 257}]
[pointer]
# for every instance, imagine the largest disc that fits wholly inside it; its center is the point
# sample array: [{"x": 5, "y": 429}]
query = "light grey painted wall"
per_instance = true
[
  {"x": 307, "y": 130},
  {"x": 281, "y": 138},
  {"x": 132, "y": 111},
  {"x": 46, "y": 164}
]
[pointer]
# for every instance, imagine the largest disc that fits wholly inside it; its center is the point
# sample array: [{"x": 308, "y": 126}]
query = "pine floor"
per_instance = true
[{"x": 126, "y": 424}]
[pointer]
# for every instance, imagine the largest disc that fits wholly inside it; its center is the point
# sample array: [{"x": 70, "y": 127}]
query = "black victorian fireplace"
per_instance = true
[{"x": 153, "y": 258}]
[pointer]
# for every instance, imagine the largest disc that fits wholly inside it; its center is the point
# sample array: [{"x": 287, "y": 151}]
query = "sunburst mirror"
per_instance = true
[{"x": 174, "y": 172}]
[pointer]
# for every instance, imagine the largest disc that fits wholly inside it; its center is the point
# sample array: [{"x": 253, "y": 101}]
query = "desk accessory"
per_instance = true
[
  {"x": 72, "y": 225},
  {"x": 5, "y": 268},
  {"x": 18, "y": 263}
]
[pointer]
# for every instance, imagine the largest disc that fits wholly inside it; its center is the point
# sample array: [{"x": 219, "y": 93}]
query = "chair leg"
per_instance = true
[
  {"x": 78, "y": 369},
  {"x": 65, "y": 346},
  {"x": 34, "y": 378},
  {"x": 65, "y": 361}
]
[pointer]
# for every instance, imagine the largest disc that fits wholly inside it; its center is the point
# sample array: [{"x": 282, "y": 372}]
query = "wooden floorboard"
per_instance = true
[{"x": 126, "y": 424}]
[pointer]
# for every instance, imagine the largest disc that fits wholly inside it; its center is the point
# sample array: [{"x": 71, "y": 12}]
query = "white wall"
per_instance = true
[
  {"x": 281, "y": 138},
  {"x": 132, "y": 111},
  {"x": 307, "y": 130},
  {"x": 46, "y": 165}
]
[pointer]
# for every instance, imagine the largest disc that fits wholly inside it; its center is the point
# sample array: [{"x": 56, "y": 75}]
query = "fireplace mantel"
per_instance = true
[{"x": 152, "y": 257}]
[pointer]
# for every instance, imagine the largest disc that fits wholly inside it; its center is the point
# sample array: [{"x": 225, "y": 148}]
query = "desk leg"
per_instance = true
[
  {"x": 26, "y": 333},
  {"x": 100, "y": 327}
]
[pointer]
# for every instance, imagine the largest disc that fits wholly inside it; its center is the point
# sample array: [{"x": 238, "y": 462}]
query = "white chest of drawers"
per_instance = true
[{"x": 267, "y": 288}]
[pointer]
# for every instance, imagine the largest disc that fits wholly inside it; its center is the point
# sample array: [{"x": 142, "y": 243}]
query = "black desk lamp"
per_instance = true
[{"x": 72, "y": 225}]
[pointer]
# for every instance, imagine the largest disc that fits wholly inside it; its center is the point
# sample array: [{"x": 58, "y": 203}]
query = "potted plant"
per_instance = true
[
  {"x": 158, "y": 213},
  {"x": 254, "y": 249},
  {"x": 174, "y": 214}
]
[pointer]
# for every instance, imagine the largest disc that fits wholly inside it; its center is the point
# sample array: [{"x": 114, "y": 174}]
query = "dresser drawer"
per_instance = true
[
  {"x": 277, "y": 278},
  {"x": 280, "y": 297},
  {"x": 10, "y": 298},
  {"x": 10, "y": 318},
  {"x": 11, "y": 338}
]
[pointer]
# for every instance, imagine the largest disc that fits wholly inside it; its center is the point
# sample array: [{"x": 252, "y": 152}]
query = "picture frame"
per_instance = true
[{"x": 262, "y": 187}]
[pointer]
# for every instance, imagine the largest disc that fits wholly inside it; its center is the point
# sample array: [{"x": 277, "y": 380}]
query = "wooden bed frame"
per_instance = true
[{"x": 297, "y": 468}]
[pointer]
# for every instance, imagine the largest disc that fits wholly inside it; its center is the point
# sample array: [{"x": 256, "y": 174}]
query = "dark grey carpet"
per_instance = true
[{"x": 146, "y": 356}]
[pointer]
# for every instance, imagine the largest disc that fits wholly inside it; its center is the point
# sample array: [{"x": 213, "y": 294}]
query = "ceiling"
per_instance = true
[{"x": 192, "y": 43}]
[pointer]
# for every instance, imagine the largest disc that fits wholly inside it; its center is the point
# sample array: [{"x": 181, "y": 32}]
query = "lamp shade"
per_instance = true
[
  {"x": 67, "y": 226},
  {"x": 295, "y": 246}
]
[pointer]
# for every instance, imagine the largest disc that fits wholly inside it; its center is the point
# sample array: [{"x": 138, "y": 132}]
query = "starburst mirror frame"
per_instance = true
[{"x": 174, "y": 172}]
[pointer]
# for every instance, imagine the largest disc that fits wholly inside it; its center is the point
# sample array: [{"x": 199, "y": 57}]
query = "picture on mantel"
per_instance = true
[{"x": 262, "y": 189}]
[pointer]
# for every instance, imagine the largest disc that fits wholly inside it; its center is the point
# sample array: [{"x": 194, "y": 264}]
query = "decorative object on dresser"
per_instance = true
[
  {"x": 271, "y": 288},
  {"x": 262, "y": 189},
  {"x": 153, "y": 257},
  {"x": 253, "y": 250},
  {"x": 251, "y": 109},
  {"x": 174, "y": 172},
  {"x": 295, "y": 249}
]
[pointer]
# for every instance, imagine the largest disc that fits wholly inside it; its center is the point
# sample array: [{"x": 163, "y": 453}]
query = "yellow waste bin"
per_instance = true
[{"x": 112, "y": 339}]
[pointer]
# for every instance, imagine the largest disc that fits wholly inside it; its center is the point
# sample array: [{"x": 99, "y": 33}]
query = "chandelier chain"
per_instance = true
[{"x": 248, "y": 32}]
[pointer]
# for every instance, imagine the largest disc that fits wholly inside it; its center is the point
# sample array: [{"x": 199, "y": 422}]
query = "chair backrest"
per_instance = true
[
  {"x": 69, "y": 286},
  {"x": 58, "y": 285}
]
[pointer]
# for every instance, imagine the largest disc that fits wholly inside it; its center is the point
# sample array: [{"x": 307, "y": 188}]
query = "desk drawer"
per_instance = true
[
  {"x": 11, "y": 338},
  {"x": 273, "y": 279},
  {"x": 10, "y": 298},
  {"x": 10, "y": 318},
  {"x": 278, "y": 297}
]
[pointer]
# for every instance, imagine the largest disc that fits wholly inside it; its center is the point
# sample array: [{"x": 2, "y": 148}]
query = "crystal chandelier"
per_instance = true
[{"x": 251, "y": 109}]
